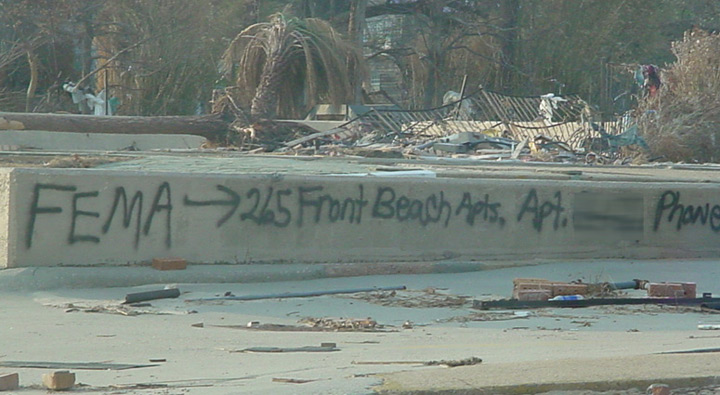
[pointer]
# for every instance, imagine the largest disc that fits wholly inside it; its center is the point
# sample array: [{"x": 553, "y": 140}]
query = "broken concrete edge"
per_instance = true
[
  {"x": 389, "y": 387},
  {"x": 46, "y": 278}
]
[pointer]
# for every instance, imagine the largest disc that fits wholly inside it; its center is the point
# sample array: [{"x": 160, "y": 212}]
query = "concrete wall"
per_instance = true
[
  {"x": 17, "y": 140},
  {"x": 86, "y": 217}
]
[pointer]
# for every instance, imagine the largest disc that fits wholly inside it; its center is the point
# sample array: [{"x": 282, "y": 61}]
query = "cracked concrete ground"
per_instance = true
[{"x": 597, "y": 349}]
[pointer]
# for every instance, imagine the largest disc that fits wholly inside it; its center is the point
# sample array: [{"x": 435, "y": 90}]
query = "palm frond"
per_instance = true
[{"x": 268, "y": 59}]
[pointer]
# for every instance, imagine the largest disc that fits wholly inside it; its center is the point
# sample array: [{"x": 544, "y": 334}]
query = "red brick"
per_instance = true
[
  {"x": 559, "y": 289},
  {"x": 533, "y": 294},
  {"x": 517, "y": 281},
  {"x": 9, "y": 382},
  {"x": 690, "y": 289},
  {"x": 666, "y": 290},
  {"x": 530, "y": 287},
  {"x": 169, "y": 264},
  {"x": 526, "y": 284}
]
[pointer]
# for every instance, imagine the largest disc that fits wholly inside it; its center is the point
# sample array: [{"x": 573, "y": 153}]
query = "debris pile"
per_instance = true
[
  {"x": 490, "y": 126},
  {"x": 426, "y": 298},
  {"x": 340, "y": 324},
  {"x": 539, "y": 293}
]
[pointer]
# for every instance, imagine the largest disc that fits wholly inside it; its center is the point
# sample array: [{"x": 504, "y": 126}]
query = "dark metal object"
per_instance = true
[
  {"x": 511, "y": 304},
  {"x": 303, "y": 294},
  {"x": 152, "y": 295}
]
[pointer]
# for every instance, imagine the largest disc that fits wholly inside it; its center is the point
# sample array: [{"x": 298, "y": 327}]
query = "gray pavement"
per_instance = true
[{"x": 597, "y": 348}]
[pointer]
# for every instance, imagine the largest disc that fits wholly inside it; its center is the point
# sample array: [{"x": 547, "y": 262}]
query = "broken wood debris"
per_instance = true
[
  {"x": 449, "y": 363},
  {"x": 529, "y": 129},
  {"x": 311, "y": 324},
  {"x": 128, "y": 310},
  {"x": 426, "y": 298},
  {"x": 341, "y": 324}
]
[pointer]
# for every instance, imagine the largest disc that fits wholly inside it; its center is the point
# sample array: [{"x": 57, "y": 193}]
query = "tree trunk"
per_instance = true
[
  {"x": 509, "y": 34},
  {"x": 356, "y": 24},
  {"x": 32, "y": 85},
  {"x": 211, "y": 126},
  {"x": 265, "y": 101}
]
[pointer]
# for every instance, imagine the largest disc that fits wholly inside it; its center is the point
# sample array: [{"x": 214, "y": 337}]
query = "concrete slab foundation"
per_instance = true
[
  {"x": 99, "y": 216},
  {"x": 23, "y": 140}
]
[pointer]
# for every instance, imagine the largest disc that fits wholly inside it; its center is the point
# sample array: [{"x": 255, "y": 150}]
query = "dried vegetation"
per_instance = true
[{"x": 680, "y": 123}]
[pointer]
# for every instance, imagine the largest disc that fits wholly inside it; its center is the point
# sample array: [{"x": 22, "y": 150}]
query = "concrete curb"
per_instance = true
[{"x": 46, "y": 278}]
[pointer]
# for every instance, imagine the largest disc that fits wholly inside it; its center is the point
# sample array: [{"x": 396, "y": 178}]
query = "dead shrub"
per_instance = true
[{"x": 681, "y": 123}]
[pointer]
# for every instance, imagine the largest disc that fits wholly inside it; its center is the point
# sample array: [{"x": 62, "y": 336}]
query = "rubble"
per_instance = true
[
  {"x": 544, "y": 128},
  {"x": 312, "y": 324},
  {"x": 426, "y": 298},
  {"x": 130, "y": 310},
  {"x": 540, "y": 293},
  {"x": 341, "y": 324},
  {"x": 448, "y": 363}
]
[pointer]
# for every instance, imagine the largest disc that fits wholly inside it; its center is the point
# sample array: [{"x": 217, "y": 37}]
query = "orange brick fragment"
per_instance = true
[
  {"x": 672, "y": 290},
  {"x": 533, "y": 295},
  {"x": 559, "y": 289},
  {"x": 169, "y": 264}
]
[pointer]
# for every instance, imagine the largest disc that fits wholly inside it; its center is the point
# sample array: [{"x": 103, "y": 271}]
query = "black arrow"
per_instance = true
[{"x": 234, "y": 201}]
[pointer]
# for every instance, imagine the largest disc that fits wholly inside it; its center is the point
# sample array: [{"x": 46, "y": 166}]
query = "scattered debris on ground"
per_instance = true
[
  {"x": 648, "y": 309},
  {"x": 324, "y": 347},
  {"x": 311, "y": 324},
  {"x": 77, "y": 161},
  {"x": 488, "y": 316},
  {"x": 427, "y": 298},
  {"x": 59, "y": 160},
  {"x": 115, "y": 308},
  {"x": 449, "y": 363},
  {"x": 533, "y": 293},
  {"x": 491, "y": 126},
  {"x": 341, "y": 324}
]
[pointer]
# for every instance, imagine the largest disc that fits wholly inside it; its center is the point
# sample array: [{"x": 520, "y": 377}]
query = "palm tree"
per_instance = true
[{"x": 289, "y": 64}]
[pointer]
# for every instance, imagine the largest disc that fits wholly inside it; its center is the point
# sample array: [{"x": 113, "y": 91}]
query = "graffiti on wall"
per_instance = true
[
  {"x": 672, "y": 210},
  {"x": 144, "y": 212}
]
